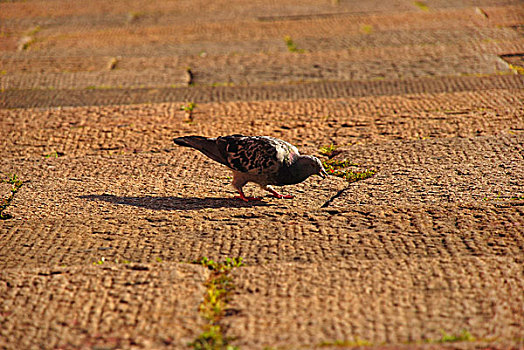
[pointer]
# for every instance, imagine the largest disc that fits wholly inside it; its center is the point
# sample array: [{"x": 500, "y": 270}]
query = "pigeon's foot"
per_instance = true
[
  {"x": 247, "y": 199},
  {"x": 278, "y": 195},
  {"x": 283, "y": 196}
]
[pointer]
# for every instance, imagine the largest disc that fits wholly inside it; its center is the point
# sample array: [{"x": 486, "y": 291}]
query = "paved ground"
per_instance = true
[{"x": 428, "y": 251}]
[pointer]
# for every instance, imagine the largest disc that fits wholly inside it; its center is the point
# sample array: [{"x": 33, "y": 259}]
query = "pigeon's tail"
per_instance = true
[
  {"x": 191, "y": 141},
  {"x": 207, "y": 146}
]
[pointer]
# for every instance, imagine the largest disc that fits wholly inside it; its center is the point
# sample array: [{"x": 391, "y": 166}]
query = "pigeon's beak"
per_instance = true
[{"x": 322, "y": 173}]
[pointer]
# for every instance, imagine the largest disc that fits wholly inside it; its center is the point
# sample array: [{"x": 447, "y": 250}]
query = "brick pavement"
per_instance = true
[{"x": 426, "y": 254}]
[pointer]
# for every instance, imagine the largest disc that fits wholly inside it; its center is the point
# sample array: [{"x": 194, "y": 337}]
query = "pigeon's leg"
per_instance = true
[
  {"x": 238, "y": 183},
  {"x": 276, "y": 194},
  {"x": 246, "y": 199}
]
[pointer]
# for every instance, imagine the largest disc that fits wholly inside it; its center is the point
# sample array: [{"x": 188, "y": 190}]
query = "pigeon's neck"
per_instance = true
[{"x": 299, "y": 171}]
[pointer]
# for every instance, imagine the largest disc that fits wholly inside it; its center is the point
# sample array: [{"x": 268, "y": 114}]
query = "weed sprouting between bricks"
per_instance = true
[
  {"x": 213, "y": 308},
  {"x": 464, "y": 336},
  {"x": 15, "y": 183},
  {"x": 338, "y": 168},
  {"x": 328, "y": 150},
  {"x": 188, "y": 108},
  {"x": 345, "y": 343},
  {"x": 54, "y": 154},
  {"x": 421, "y": 5},
  {"x": 227, "y": 265},
  {"x": 291, "y": 46},
  {"x": 366, "y": 29},
  {"x": 450, "y": 338}
]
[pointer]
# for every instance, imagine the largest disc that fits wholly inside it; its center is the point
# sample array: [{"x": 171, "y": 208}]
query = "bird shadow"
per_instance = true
[{"x": 174, "y": 203}]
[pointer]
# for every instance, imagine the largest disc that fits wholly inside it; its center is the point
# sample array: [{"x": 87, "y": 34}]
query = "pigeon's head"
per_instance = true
[{"x": 313, "y": 166}]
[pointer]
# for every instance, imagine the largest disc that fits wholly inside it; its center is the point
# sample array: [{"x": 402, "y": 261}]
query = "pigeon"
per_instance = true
[{"x": 263, "y": 160}]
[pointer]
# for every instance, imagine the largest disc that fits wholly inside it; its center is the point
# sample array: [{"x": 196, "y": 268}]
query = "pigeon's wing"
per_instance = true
[
  {"x": 209, "y": 146},
  {"x": 256, "y": 154}
]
